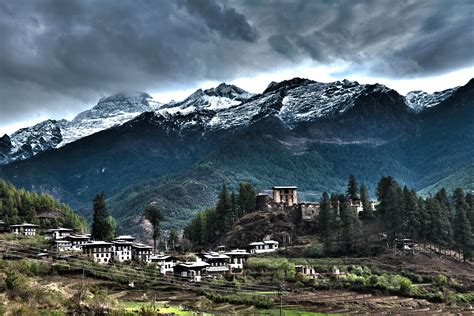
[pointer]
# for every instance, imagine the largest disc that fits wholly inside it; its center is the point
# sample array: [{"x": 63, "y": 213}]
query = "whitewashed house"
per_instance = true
[
  {"x": 193, "y": 271},
  {"x": 125, "y": 238},
  {"x": 100, "y": 251},
  {"x": 24, "y": 229},
  {"x": 218, "y": 262},
  {"x": 263, "y": 246},
  {"x": 141, "y": 252},
  {"x": 122, "y": 250},
  {"x": 77, "y": 241},
  {"x": 165, "y": 263},
  {"x": 238, "y": 257},
  {"x": 57, "y": 233}
]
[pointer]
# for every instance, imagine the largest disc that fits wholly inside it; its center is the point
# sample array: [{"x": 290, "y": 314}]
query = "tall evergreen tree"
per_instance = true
[
  {"x": 391, "y": 206},
  {"x": 173, "y": 239},
  {"x": 246, "y": 198},
  {"x": 470, "y": 208},
  {"x": 223, "y": 210},
  {"x": 100, "y": 223},
  {"x": 325, "y": 221},
  {"x": 366, "y": 204},
  {"x": 234, "y": 209},
  {"x": 154, "y": 216},
  {"x": 350, "y": 225},
  {"x": 462, "y": 226},
  {"x": 352, "y": 188},
  {"x": 411, "y": 214}
]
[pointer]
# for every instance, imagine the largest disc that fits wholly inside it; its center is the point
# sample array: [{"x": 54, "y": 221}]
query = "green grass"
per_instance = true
[
  {"x": 164, "y": 308},
  {"x": 289, "y": 312}
]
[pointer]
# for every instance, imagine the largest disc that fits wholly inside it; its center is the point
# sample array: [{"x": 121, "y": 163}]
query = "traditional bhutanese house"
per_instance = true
[
  {"x": 238, "y": 257},
  {"x": 61, "y": 245},
  {"x": 306, "y": 270},
  {"x": 125, "y": 237},
  {"x": 122, "y": 250},
  {"x": 100, "y": 251},
  {"x": 263, "y": 246},
  {"x": 57, "y": 233},
  {"x": 77, "y": 241},
  {"x": 193, "y": 271},
  {"x": 141, "y": 252},
  {"x": 165, "y": 263},
  {"x": 285, "y": 194},
  {"x": 25, "y": 229},
  {"x": 218, "y": 262}
]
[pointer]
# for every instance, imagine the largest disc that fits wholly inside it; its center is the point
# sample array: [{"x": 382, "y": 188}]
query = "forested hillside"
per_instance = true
[{"x": 19, "y": 205}]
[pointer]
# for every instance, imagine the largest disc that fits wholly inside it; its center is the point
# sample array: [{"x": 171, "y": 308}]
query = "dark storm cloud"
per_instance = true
[{"x": 56, "y": 54}]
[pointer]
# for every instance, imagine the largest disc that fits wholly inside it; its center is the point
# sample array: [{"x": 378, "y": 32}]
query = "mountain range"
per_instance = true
[{"x": 297, "y": 132}]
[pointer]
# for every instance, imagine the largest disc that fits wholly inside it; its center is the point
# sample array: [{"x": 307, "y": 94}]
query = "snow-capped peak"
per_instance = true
[
  {"x": 110, "y": 111},
  {"x": 420, "y": 100},
  {"x": 219, "y": 98}
]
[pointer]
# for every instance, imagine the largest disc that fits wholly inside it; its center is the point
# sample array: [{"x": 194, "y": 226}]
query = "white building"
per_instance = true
[
  {"x": 141, "y": 252},
  {"x": 263, "y": 246},
  {"x": 77, "y": 241},
  {"x": 285, "y": 194},
  {"x": 24, "y": 229},
  {"x": 57, "y": 233},
  {"x": 165, "y": 263},
  {"x": 218, "y": 262},
  {"x": 122, "y": 250},
  {"x": 100, "y": 251},
  {"x": 125, "y": 238},
  {"x": 192, "y": 271},
  {"x": 238, "y": 257}
]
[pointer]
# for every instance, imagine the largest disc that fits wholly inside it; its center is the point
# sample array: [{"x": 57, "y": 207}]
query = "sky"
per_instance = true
[{"x": 57, "y": 58}]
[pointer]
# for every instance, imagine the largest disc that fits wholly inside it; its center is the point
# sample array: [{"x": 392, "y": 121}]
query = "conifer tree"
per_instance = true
[
  {"x": 366, "y": 205},
  {"x": 350, "y": 224},
  {"x": 325, "y": 221},
  {"x": 173, "y": 239},
  {"x": 470, "y": 208},
  {"x": 412, "y": 221},
  {"x": 154, "y": 216},
  {"x": 223, "y": 210},
  {"x": 352, "y": 188},
  {"x": 246, "y": 199},
  {"x": 391, "y": 206},
  {"x": 100, "y": 223},
  {"x": 462, "y": 226}
]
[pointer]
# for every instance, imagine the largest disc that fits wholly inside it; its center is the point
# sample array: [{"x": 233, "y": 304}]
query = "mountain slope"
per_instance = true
[
  {"x": 50, "y": 134},
  {"x": 179, "y": 155}
]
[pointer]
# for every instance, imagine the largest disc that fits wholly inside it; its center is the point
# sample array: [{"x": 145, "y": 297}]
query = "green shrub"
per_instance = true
[
  {"x": 405, "y": 285},
  {"x": 314, "y": 250},
  {"x": 17, "y": 285},
  {"x": 441, "y": 280}
]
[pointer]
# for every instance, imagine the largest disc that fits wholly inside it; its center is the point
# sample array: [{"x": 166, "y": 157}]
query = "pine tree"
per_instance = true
[
  {"x": 411, "y": 214},
  {"x": 352, "y": 188},
  {"x": 100, "y": 224},
  {"x": 470, "y": 208},
  {"x": 246, "y": 198},
  {"x": 223, "y": 210},
  {"x": 350, "y": 224},
  {"x": 462, "y": 226},
  {"x": 173, "y": 239},
  {"x": 154, "y": 216},
  {"x": 391, "y": 206},
  {"x": 325, "y": 221},
  {"x": 366, "y": 204},
  {"x": 234, "y": 209}
]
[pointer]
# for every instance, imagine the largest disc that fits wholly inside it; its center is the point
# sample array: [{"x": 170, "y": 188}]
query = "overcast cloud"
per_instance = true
[{"x": 58, "y": 57}]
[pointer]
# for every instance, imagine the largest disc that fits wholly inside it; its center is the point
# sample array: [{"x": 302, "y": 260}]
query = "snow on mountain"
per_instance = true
[
  {"x": 420, "y": 100},
  {"x": 111, "y": 111},
  {"x": 293, "y": 101},
  {"x": 223, "y": 107}
]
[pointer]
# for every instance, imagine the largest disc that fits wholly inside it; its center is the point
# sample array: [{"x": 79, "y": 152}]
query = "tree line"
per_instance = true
[
  {"x": 210, "y": 224},
  {"x": 440, "y": 220},
  {"x": 19, "y": 205}
]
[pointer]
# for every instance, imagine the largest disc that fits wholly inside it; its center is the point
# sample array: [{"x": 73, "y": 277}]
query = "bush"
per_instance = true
[
  {"x": 441, "y": 280},
  {"x": 314, "y": 250},
  {"x": 405, "y": 285},
  {"x": 17, "y": 285}
]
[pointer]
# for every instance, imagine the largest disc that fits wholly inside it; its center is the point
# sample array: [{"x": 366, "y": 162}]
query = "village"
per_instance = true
[{"x": 210, "y": 264}]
